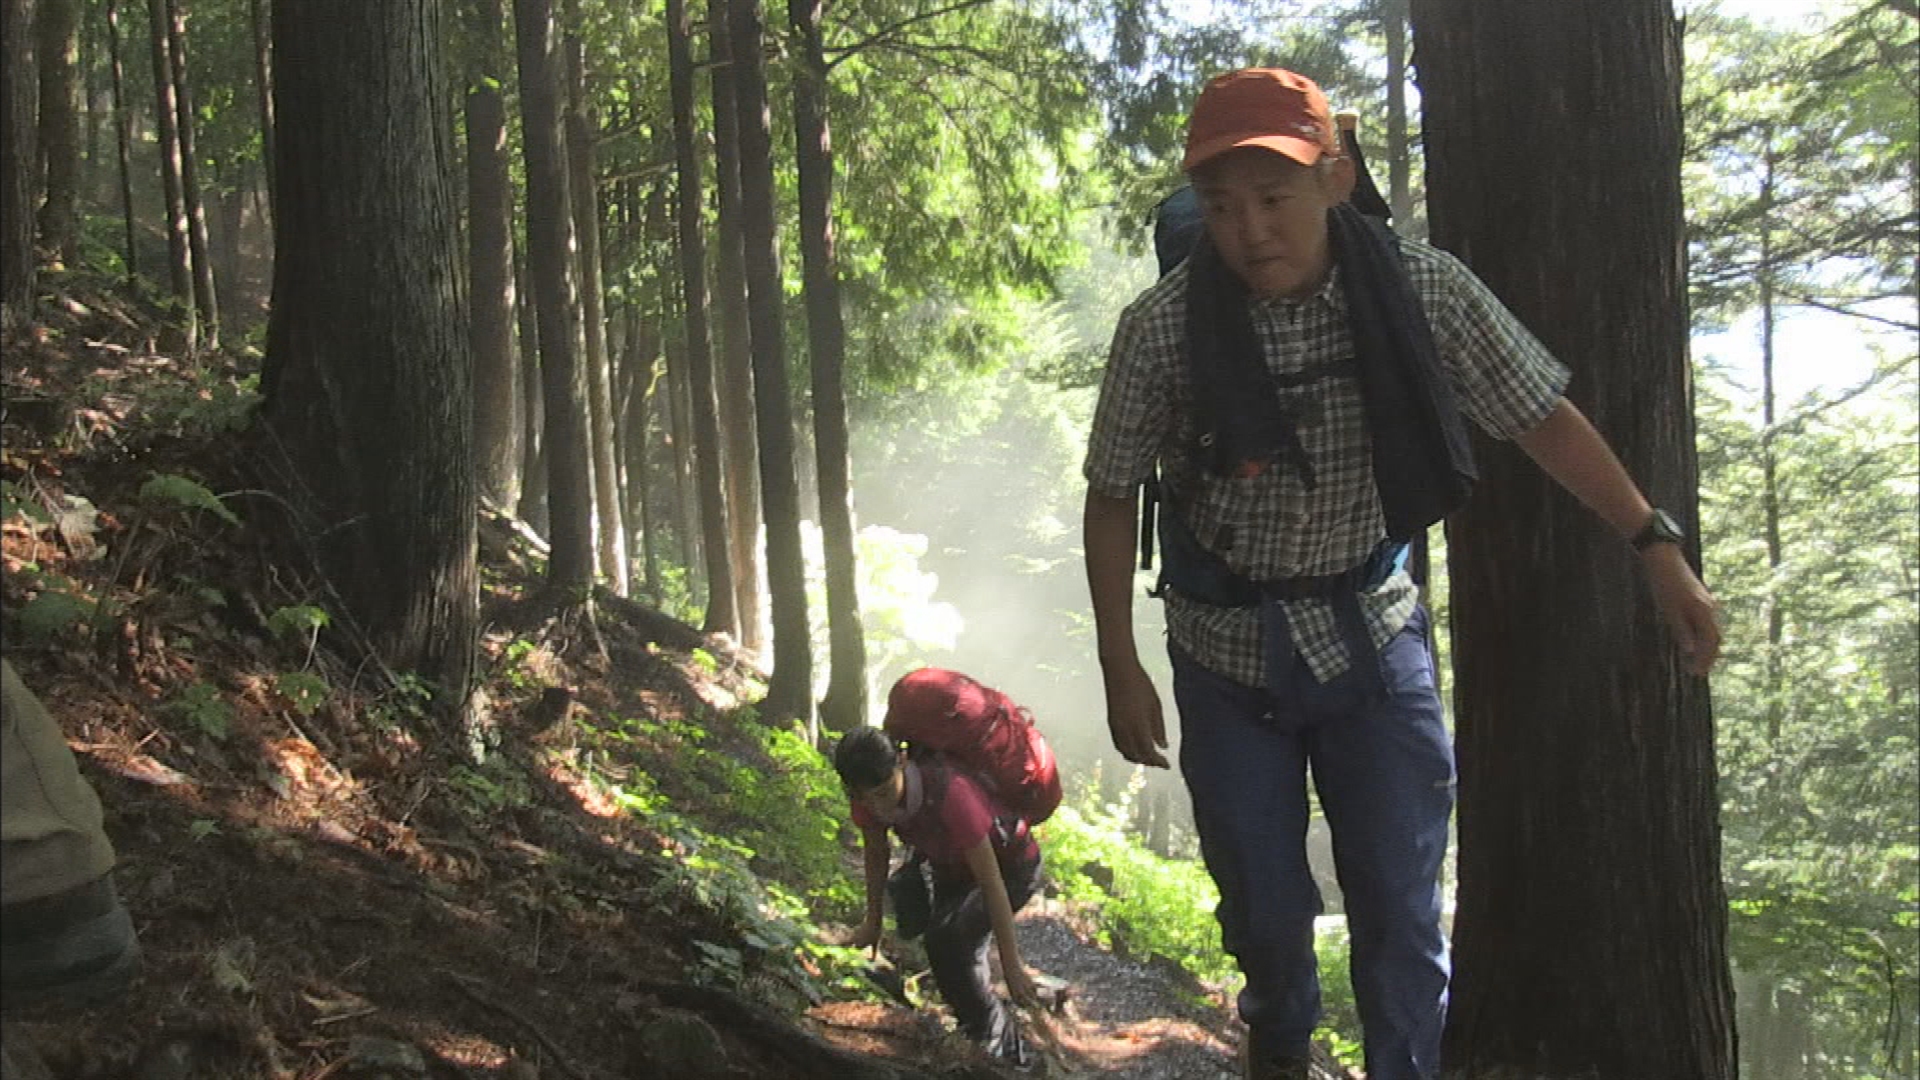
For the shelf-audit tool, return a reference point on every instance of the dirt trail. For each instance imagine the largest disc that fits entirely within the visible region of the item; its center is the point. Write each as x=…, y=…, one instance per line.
x=1124, y=1019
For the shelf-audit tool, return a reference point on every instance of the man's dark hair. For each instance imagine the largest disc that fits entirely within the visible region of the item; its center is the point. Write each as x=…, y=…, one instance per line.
x=864, y=758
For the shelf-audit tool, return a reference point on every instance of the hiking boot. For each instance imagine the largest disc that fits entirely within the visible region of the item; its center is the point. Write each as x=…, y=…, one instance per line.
x=1010, y=1048
x=1281, y=1068
x=1257, y=1063
x=72, y=948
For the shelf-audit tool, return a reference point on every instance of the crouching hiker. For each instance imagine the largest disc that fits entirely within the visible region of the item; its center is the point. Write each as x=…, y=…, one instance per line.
x=984, y=864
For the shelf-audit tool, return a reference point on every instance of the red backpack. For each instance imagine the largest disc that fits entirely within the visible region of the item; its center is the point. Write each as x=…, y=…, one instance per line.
x=982, y=731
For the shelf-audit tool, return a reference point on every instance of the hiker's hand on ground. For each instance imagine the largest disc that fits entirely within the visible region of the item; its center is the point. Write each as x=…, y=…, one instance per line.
x=867, y=936
x=1133, y=716
x=1020, y=986
x=1690, y=610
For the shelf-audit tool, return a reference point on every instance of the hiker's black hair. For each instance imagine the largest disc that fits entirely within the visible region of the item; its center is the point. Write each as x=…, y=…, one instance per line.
x=865, y=757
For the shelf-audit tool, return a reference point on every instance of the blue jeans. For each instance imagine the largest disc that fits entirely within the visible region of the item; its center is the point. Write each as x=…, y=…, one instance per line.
x=1383, y=765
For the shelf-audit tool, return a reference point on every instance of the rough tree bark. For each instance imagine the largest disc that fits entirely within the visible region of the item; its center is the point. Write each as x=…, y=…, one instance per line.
x=1591, y=928
x=845, y=705
x=17, y=163
x=584, y=199
x=680, y=439
x=123, y=139
x=192, y=198
x=497, y=422
x=741, y=453
x=366, y=381
x=1393, y=16
x=263, y=85
x=549, y=261
x=57, y=50
x=721, y=611
x=167, y=124
x=790, y=686
x=533, y=461
x=643, y=352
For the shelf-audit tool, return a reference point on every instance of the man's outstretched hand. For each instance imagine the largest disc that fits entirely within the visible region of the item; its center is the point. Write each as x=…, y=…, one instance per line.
x=1690, y=610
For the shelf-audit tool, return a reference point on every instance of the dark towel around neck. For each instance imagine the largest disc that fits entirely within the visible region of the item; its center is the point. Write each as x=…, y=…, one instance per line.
x=1422, y=461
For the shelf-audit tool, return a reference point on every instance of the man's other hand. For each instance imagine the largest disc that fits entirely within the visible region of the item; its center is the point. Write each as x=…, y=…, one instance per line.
x=1134, y=718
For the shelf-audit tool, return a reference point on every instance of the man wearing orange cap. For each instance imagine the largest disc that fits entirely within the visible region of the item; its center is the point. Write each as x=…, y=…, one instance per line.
x=1300, y=383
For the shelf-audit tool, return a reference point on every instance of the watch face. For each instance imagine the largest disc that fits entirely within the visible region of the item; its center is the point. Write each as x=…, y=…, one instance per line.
x=1661, y=529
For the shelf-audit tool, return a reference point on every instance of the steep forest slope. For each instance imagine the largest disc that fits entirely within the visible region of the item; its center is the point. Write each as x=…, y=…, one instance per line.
x=618, y=873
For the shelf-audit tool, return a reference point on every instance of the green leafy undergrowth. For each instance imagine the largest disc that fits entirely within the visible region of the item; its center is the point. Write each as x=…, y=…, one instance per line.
x=1142, y=902
x=749, y=833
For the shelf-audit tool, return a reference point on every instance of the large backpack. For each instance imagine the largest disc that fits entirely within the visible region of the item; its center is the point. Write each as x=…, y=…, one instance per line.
x=943, y=713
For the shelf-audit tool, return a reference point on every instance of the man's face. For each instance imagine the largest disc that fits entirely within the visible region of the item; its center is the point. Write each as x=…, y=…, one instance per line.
x=1267, y=215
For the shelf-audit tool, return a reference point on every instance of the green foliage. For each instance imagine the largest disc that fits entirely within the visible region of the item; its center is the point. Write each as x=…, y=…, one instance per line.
x=297, y=621
x=170, y=490
x=752, y=844
x=404, y=705
x=903, y=624
x=202, y=706
x=1801, y=160
x=1340, y=1019
x=1815, y=702
x=51, y=613
x=678, y=593
x=303, y=689
x=1158, y=906
x=490, y=787
x=513, y=663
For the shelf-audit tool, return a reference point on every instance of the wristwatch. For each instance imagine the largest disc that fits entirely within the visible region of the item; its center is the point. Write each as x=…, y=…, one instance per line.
x=1659, y=529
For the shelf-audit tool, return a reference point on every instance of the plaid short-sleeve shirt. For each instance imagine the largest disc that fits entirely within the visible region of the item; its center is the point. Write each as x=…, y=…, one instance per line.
x=1270, y=525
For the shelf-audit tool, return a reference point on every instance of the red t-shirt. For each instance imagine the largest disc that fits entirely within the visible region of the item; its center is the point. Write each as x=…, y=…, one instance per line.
x=952, y=822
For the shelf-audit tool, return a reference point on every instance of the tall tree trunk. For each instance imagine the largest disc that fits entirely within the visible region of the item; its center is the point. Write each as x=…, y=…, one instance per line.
x=366, y=381
x=620, y=347
x=123, y=139
x=790, y=687
x=533, y=459
x=93, y=97
x=721, y=612
x=230, y=205
x=167, y=123
x=584, y=198
x=845, y=706
x=192, y=197
x=18, y=163
x=57, y=28
x=1770, y=461
x=647, y=376
x=1399, y=155
x=740, y=455
x=497, y=425
x=680, y=440
x=263, y=85
x=1589, y=866
x=549, y=260
x=631, y=370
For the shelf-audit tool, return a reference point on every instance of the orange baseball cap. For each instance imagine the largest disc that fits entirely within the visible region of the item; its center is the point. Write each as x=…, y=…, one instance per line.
x=1265, y=107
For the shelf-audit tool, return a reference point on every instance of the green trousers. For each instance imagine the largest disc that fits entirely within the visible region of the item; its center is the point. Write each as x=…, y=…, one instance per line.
x=50, y=834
